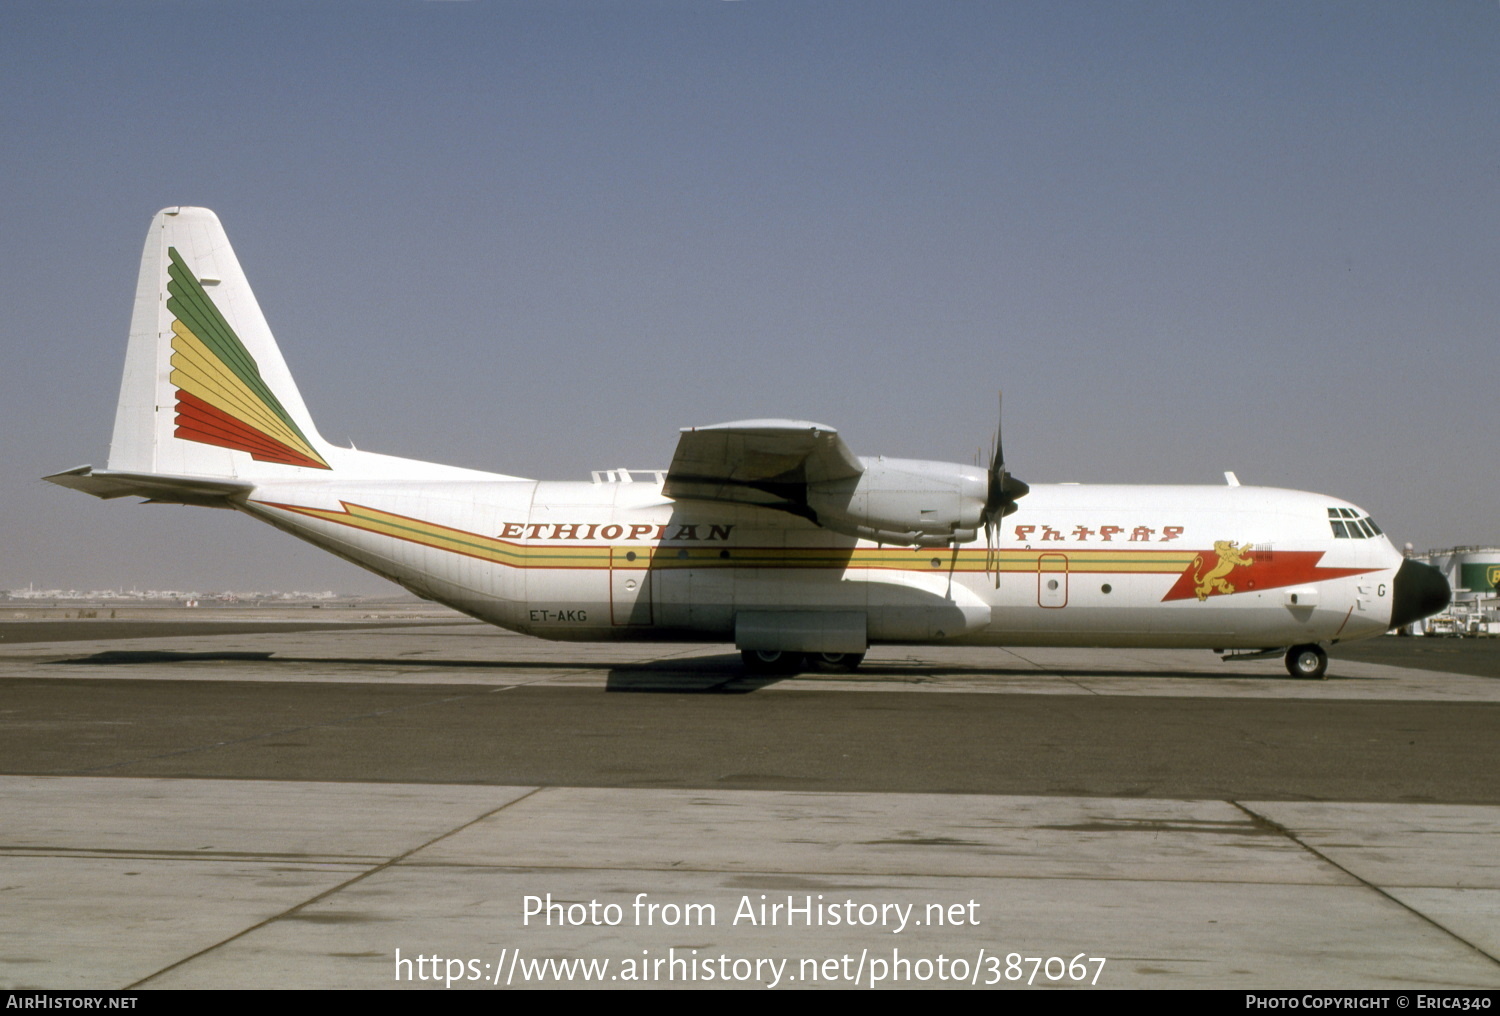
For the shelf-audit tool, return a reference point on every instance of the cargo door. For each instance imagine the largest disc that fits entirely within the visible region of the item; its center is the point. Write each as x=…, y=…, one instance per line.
x=629, y=587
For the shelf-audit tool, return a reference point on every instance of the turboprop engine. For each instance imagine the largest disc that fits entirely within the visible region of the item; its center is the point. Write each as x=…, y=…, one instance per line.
x=806, y=469
x=904, y=501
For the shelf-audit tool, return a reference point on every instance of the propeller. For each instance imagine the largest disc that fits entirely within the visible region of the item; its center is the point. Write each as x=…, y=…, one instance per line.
x=1000, y=498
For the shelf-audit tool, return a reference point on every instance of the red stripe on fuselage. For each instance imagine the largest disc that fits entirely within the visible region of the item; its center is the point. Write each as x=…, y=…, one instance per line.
x=1274, y=570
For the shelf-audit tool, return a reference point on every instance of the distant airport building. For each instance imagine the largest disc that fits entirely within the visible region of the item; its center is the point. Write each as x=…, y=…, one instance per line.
x=1474, y=575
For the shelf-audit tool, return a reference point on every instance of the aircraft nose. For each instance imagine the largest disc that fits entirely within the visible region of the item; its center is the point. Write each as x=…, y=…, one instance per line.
x=1419, y=591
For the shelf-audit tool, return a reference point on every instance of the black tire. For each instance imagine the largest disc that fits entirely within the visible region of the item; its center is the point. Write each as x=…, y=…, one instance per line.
x=835, y=663
x=1309, y=662
x=771, y=661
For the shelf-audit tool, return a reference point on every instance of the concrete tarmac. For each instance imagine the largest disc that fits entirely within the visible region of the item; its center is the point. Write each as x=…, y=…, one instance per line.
x=426, y=806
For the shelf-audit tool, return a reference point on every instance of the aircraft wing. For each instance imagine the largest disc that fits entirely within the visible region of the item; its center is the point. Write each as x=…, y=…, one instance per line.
x=769, y=463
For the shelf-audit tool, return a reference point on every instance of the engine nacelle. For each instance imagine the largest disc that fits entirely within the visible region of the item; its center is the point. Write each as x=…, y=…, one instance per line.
x=904, y=501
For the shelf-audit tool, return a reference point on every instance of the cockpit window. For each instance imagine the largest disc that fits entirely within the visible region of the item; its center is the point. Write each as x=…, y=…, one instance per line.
x=1348, y=525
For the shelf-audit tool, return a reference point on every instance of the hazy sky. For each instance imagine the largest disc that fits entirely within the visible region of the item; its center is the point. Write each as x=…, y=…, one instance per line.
x=539, y=237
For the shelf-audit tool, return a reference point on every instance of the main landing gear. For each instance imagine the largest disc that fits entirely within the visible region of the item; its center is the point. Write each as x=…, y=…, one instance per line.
x=773, y=661
x=835, y=663
x=1309, y=661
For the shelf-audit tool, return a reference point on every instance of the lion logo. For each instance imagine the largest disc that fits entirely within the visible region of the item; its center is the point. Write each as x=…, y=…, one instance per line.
x=1213, y=581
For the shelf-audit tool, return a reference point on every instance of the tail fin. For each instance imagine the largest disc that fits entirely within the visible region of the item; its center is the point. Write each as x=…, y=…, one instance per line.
x=206, y=392
x=208, y=410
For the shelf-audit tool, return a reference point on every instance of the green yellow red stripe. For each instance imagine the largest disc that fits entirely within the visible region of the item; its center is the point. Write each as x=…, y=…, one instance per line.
x=222, y=398
x=659, y=556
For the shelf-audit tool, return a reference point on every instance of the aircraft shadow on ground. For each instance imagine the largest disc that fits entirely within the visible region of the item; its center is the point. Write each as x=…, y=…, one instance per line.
x=722, y=674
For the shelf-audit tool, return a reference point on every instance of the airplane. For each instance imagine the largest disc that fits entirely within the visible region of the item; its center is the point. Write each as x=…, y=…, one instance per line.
x=770, y=534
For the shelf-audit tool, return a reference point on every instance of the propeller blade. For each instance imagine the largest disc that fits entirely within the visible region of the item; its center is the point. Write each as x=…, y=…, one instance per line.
x=1004, y=489
x=1001, y=494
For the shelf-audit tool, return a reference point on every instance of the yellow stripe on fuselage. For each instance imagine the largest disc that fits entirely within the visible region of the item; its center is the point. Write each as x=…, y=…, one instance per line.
x=659, y=557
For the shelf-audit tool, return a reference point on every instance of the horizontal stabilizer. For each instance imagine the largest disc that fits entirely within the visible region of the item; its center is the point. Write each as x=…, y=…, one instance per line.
x=110, y=483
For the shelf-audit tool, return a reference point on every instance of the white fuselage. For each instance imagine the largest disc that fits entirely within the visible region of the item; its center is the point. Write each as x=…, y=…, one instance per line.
x=1210, y=567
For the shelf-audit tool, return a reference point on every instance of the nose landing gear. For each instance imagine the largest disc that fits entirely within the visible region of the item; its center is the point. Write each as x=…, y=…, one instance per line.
x=1309, y=661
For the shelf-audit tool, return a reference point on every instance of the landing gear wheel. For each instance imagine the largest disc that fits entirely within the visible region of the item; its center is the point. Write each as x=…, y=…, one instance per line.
x=1309, y=662
x=771, y=661
x=835, y=663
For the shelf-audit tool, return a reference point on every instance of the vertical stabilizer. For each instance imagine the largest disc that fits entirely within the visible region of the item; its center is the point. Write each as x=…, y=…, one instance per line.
x=206, y=392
